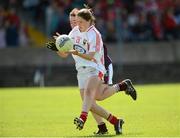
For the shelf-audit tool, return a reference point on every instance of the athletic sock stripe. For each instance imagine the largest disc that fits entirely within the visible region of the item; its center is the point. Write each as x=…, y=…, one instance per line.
x=112, y=119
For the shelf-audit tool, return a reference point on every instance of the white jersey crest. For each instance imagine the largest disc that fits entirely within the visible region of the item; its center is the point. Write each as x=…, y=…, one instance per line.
x=85, y=42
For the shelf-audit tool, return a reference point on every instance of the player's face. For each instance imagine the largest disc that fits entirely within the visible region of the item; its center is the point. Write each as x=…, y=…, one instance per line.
x=72, y=19
x=83, y=24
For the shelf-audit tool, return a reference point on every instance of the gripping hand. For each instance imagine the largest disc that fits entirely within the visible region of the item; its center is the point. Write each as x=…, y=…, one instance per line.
x=52, y=46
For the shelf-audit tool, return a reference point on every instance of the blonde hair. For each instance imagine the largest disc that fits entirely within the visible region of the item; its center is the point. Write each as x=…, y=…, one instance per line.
x=74, y=12
x=87, y=15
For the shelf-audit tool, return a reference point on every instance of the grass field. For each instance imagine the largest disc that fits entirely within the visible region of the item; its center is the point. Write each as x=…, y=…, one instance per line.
x=40, y=112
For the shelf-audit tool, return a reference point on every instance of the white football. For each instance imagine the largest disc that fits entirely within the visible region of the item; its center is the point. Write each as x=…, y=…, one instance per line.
x=64, y=43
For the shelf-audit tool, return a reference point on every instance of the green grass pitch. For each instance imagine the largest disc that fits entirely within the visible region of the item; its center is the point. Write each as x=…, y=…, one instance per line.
x=49, y=112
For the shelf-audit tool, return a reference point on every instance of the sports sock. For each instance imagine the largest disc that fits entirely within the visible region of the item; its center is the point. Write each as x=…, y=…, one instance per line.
x=112, y=119
x=83, y=116
x=122, y=86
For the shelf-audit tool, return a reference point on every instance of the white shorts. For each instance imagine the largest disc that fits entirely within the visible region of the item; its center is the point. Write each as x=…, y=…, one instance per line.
x=110, y=69
x=84, y=73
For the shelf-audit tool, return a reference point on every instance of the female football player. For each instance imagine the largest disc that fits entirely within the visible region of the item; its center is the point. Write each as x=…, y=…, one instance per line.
x=89, y=62
x=102, y=129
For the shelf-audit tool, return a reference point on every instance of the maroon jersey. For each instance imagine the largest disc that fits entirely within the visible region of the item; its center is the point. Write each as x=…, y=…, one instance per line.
x=107, y=62
x=107, y=59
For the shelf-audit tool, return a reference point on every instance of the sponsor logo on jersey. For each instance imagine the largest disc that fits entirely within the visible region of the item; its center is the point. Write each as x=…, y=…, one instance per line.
x=84, y=42
x=79, y=48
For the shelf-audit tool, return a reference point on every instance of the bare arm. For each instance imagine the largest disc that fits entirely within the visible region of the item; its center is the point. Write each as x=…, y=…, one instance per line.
x=89, y=56
x=62, y=54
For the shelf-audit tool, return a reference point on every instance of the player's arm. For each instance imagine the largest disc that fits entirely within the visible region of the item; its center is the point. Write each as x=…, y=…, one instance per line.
x=94, y=42
x=62, y=54
x=89, y=56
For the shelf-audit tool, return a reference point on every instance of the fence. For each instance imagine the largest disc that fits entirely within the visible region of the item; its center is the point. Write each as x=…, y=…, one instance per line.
x=141, y=62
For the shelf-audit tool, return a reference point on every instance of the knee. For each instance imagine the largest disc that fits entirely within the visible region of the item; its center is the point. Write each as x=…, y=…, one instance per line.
x=99, y=99
x=93, y=107
x=88, y=92
x=100, y=94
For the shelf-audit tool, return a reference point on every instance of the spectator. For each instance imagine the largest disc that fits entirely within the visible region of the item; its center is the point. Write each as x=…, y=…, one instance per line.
x=110, y=25
x=155, y=23
x=169, y=24
x=12, y=28
x=142, y=29
x=2, y=28
x=117, y=20
x=52, y=18
x=63, y=26
x=151, y=6
x=2, y=36
x=30, y=10
x=23, y=35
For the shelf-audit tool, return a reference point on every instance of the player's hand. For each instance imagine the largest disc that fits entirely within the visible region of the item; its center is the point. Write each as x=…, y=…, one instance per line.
x=52, y=46
x=74, y=52
x=55, y=36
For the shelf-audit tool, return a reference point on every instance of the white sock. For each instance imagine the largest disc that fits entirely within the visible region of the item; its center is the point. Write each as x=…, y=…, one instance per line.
x=117, y=88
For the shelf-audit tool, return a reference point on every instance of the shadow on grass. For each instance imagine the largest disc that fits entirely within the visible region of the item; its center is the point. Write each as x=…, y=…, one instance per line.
x=92, y=136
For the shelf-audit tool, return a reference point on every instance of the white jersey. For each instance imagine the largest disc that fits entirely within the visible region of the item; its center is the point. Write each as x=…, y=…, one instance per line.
x=85, y=42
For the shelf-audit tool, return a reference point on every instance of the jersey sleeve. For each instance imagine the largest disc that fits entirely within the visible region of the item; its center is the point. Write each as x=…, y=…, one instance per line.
x=72, y=32
x=94, y=41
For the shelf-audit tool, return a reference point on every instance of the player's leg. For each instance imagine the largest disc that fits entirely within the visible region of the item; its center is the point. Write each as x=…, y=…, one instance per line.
x=102, y=129
x=89, y=96
x=105, y=114
x=86, y=76
x=106, y=91
x=92, y=84
x=109, y=117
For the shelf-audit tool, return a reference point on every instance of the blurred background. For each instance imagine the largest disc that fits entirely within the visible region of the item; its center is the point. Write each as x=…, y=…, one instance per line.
x=142, y=37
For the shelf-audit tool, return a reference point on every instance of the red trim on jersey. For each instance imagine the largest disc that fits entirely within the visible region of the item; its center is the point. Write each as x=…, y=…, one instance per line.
x=90, y=28
x=100, y=75
x=98, y=40
x=102, y=59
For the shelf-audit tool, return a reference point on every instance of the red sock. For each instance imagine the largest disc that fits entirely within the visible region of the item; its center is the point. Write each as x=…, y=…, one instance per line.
x=83, y=116
x=122, y=86
x=112, y=119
